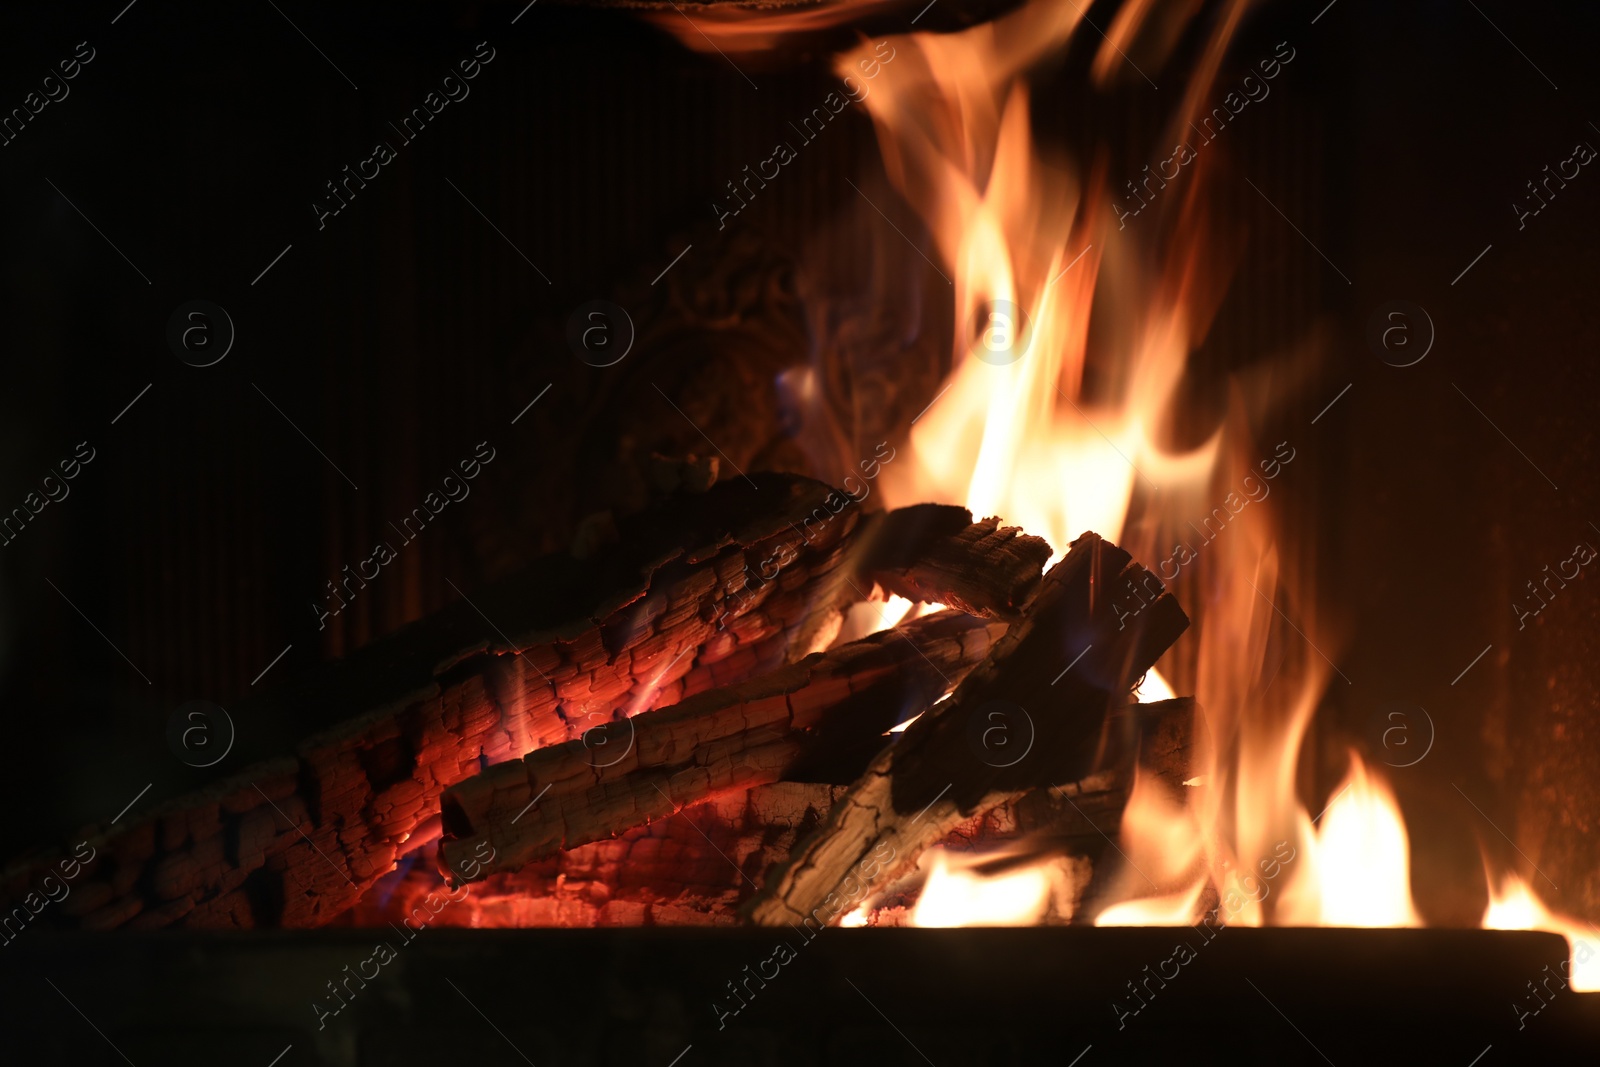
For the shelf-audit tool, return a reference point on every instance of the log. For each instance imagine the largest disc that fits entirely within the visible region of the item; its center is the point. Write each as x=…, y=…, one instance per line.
x=926, y=554
x=537, y=659
x=1078, y=822
x=1075, y=815
x=692, y=868
x=831, y=710
x=705, y=590
x=696, y=866
x=1079, y=818
x=1100, y=621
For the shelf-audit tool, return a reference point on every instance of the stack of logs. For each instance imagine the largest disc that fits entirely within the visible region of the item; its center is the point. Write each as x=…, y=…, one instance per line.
x=662, y=734
x=1034, y=735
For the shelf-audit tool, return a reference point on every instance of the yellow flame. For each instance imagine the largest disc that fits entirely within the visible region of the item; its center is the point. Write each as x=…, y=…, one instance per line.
x=859, y=917
x=1164, y=876
x=870, y=616
x=1356, y=871
x=1016, y=433
x=957, y=895
x=1155, y=688
x=1514, y=906
x=1013, y=433
x=1173, y=909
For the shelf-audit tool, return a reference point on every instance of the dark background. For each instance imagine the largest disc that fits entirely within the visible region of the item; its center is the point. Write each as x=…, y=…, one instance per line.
x=408, y=330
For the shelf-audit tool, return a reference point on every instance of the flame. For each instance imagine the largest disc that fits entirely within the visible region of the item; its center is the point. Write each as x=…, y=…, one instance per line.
x=1029, y=246
x=1163, y=879
x=1013, y=433
x=896, y=609
x=1357, y=868
x=1016, y=432
x=1027, y=429
x=1176, y=909
x=861, y=916
x=1514, y=906
x=1154, y=688
x=872, y=615
x=957, y=895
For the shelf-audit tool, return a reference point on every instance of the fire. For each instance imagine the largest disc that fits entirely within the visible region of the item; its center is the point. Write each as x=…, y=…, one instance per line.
x=870, y=616
x=1357, y=870
x=1017, y=432
x=1154, y=688
x=1164, y=877
x=1014, y=433
x=1177, y=909
x=957, y=895
x=1513, y=906
x=1035, y=427
x=1028, y=245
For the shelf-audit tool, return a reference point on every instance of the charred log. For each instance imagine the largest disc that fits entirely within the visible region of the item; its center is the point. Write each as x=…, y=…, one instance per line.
x=830, y=710
x=704, y=591
x=698, y=864
x=1099, y=622
x=930, y=554
x=692, y=868
x=668, y=612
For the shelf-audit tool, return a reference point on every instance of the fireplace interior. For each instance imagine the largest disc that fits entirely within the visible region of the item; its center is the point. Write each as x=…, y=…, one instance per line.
x=843, y=532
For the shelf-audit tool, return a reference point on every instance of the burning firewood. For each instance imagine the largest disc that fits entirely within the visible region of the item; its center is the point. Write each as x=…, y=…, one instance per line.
x=1032, y=714
x=831, y=708
x=690, y=869
x=696, y=865
x=705, y=591
x=1158, y=736
x=1079, y=820
x=928, y=553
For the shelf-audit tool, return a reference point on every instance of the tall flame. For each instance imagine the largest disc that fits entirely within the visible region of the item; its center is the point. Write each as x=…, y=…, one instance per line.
x=1029, y=246
x=1013, y=433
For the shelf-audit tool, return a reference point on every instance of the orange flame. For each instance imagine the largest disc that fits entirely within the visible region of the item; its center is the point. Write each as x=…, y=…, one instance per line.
x=1013, y=433
x=1513, y=906
x=1016, y=433
x=956, y=895
x=1164, y=877
x=1356, y=870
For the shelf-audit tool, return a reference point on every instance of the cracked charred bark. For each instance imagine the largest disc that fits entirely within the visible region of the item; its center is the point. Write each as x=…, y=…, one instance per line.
x=702, y=592
x=1099, y=622
x=830, y=710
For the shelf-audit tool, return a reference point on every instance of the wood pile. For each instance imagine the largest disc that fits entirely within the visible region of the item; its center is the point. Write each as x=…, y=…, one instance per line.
x=700, y=636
